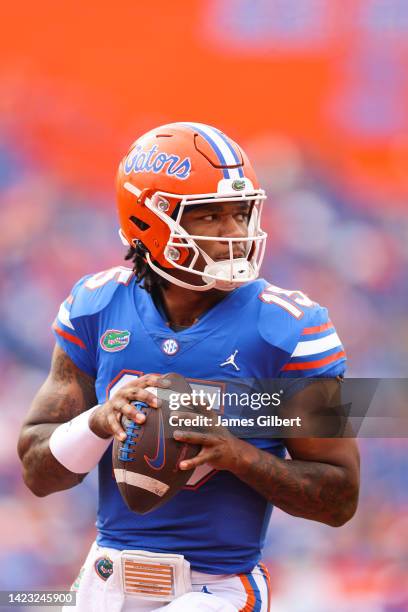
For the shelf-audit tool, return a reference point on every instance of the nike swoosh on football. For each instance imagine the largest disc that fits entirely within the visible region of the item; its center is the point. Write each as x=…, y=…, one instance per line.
x=158, y=461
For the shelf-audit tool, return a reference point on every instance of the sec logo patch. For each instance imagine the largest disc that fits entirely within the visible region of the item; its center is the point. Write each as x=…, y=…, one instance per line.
x=170, y=346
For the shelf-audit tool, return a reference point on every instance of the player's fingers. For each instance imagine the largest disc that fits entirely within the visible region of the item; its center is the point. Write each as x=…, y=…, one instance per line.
x=193, y=438
x=146, y=396
x=157, y=380
x=202, y=457
x=130, y=412
x=148, y=380
x=115, y=427
x=145, y=389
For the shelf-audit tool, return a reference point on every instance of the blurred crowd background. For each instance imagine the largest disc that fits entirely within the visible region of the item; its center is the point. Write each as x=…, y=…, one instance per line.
x=317, y=93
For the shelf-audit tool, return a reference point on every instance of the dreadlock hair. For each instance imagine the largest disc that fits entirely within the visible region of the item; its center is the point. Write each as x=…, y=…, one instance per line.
x=152, y=282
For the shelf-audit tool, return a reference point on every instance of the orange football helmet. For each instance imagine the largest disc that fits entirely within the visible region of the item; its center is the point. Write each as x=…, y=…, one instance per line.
x=179, y=165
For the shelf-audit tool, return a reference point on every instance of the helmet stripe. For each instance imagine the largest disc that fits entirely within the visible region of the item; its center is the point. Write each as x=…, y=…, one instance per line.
x=231, y=148
x=221, y=146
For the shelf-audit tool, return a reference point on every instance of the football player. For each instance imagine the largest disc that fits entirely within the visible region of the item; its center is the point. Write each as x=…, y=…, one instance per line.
x=190, y=212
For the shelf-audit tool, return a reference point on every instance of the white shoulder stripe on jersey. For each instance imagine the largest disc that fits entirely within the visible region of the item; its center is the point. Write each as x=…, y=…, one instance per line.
x=222, y=145
x=312, y=347
x=63, y=316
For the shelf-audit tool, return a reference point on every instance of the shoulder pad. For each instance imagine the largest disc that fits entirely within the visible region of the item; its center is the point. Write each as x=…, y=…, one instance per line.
x=94, y=292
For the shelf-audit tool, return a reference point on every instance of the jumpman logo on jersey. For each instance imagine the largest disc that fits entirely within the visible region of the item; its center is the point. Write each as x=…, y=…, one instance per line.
x=231, y=361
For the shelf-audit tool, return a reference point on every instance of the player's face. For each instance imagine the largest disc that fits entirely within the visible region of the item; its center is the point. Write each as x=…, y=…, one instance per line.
x=228, y=220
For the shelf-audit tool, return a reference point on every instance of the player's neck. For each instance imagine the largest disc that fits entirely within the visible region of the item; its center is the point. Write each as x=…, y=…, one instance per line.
x=183, y=307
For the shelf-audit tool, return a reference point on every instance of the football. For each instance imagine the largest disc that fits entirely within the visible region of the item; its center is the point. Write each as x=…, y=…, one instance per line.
x=146, y=463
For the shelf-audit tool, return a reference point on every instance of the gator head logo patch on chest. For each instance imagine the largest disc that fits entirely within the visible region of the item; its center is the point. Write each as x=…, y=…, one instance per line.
x=114, y=340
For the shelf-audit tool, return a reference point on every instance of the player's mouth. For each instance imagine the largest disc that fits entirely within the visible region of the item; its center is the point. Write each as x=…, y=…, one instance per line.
x=236, y=253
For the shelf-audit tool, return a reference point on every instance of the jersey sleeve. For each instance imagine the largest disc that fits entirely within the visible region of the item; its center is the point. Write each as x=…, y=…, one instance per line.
x=73, y=333
x=319, y=350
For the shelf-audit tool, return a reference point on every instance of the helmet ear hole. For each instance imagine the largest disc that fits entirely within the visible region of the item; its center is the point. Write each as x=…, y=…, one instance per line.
x=142, y=225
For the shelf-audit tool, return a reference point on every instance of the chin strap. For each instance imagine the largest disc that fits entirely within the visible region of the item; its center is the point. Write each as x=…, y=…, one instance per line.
x=238, y=268
x=212, y=267
x=176, y=281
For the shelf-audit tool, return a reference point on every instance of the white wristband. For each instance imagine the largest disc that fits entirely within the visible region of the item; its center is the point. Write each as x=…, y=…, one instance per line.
x=76, y=446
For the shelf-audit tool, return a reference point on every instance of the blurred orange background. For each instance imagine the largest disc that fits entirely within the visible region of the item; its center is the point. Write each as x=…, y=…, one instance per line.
x=330, y=74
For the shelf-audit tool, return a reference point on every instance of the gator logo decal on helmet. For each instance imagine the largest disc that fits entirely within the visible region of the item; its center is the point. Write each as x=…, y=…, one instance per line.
x=238, y=184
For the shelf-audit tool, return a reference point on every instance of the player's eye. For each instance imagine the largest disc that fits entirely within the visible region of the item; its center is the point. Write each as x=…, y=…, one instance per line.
x=242, y=216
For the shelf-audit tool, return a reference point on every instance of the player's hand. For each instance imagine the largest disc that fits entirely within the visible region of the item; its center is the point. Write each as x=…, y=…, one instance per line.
x=106, y=419
x=220, y=448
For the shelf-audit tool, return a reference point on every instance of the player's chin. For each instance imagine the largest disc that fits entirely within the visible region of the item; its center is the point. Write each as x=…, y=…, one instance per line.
x=187, y=277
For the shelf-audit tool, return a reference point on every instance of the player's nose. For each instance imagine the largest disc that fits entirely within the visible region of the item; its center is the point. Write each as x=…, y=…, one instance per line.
x=231, y=228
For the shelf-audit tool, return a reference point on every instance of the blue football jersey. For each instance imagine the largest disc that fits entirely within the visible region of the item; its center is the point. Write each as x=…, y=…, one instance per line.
x=110, y=327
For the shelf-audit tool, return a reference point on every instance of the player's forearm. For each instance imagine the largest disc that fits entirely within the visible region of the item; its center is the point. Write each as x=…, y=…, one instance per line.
x=67, y=393
x=42, y=473
x=308, y=489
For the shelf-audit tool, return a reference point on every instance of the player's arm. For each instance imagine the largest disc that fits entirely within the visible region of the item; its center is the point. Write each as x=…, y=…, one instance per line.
x=68, y=395
x=320, y=482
